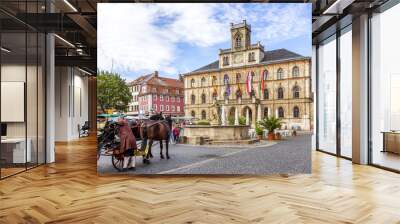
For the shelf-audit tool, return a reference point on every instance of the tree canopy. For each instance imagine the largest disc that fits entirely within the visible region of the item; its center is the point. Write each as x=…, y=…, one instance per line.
x=112, y=92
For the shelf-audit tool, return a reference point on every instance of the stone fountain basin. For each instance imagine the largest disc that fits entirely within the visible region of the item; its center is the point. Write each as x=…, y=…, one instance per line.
x=218, y=132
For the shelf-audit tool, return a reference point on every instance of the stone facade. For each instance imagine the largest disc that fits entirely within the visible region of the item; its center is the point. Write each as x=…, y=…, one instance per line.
x=287, y=86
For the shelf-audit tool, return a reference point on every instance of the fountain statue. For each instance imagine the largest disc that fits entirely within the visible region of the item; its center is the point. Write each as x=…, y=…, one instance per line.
x=216, y=114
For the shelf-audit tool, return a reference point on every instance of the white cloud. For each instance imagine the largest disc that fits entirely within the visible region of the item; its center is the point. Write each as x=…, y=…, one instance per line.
x=194, y=24
x=284, y=23
x=144, y=37
x=127, y=40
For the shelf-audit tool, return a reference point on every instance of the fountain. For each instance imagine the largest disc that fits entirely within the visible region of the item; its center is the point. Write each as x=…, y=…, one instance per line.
x=219, y=132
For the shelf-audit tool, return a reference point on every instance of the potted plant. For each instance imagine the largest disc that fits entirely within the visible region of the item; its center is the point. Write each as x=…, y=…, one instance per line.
x=242, y=120
x=259, y=131
x=271, y=123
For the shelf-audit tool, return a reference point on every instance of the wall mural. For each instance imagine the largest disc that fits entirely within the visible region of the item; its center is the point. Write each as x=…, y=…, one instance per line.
x=224, y=126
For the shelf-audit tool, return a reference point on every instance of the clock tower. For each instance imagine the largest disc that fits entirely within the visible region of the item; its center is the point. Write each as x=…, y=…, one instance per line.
x=240, y=36
x=242, y=52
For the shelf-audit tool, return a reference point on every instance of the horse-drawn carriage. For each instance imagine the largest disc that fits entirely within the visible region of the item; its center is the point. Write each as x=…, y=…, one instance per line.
x=145, y=132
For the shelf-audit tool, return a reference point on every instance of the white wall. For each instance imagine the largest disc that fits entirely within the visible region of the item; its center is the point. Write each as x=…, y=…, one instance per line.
x=71, y=102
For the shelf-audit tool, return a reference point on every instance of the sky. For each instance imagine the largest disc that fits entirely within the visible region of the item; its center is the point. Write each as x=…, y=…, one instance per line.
x=135, y=39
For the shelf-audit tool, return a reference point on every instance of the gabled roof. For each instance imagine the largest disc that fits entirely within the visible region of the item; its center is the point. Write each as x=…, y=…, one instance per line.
x=210, y=66
x=140, y=80
x=279, y=54
x=269, y=56
x=154, y=79
x=162, y=81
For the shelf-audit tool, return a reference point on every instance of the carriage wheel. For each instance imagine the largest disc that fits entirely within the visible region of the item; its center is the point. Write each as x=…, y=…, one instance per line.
x=118, y=162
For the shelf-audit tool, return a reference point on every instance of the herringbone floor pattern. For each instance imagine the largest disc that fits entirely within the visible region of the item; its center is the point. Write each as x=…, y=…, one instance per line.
x=70, y=191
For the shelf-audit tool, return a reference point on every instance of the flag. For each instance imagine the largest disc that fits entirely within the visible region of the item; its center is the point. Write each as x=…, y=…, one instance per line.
x=263, y=75
x=249, y=81
x=226, y=82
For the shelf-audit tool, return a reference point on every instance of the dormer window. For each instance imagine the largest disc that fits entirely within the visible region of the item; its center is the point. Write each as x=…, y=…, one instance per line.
x=225, y=61
x=252, y=56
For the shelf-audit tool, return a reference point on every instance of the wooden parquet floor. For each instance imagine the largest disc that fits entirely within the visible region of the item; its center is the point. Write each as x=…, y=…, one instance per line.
x=70, y=191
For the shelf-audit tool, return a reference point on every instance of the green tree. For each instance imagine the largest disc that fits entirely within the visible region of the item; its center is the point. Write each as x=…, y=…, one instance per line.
x=112, y=92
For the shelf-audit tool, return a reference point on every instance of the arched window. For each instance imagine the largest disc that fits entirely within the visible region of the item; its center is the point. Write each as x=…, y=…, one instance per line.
x=266, y=94
x=203, y=98
x=295, y=71
x=265, y=75
x=193, y=114
x=214, y=81
x=296, y=92
x=280, y=93
x=203, y=82
x=281, y=113
x=193, y=99
x=238, y=77
x=296, y=112
x=266, y=112
x=203, y=115
x=238, y=41
x=279, y=74
x=192, y=83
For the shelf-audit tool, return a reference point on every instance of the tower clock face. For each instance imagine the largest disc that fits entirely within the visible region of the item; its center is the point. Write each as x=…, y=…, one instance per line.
x=238, y=58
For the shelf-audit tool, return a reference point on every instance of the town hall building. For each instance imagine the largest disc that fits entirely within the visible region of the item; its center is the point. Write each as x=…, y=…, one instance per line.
x=247, y=81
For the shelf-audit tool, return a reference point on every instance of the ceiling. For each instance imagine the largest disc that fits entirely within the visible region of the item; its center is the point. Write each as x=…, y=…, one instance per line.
x=330, y=15
x=75, y=23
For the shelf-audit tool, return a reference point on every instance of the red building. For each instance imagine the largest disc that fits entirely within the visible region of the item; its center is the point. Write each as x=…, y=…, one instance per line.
x=154, y=94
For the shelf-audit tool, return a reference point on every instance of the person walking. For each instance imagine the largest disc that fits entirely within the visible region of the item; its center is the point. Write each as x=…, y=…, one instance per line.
x=175, y=132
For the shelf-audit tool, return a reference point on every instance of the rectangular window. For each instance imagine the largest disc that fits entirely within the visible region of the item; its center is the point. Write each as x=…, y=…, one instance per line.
x=327, y=95
x=162, y=107
x=167, y=108
x=161, y=98
x=346, y=93
x=173, y=108
x=385, y=89
x=155, y=97
x=172, y=99
x=178, y=99
x=167, y=98
x=178, y=108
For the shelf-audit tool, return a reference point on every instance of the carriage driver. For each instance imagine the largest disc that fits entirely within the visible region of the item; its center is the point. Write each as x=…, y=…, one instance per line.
x=128, y=144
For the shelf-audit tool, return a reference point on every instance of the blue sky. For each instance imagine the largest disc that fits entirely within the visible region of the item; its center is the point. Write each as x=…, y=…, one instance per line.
x=136, y=39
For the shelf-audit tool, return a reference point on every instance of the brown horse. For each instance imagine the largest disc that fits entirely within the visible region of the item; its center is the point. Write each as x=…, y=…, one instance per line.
x=158, y=130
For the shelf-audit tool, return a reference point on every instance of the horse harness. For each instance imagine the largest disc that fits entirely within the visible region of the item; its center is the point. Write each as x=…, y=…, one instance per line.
x=143, y=124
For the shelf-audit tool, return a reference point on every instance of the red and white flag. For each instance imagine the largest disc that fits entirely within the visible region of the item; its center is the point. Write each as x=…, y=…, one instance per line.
x=249, y=82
